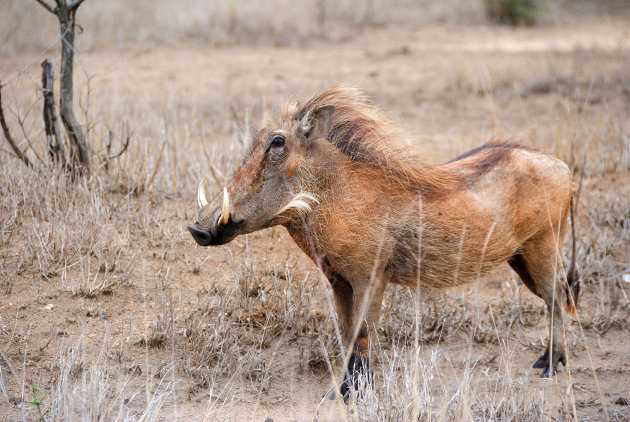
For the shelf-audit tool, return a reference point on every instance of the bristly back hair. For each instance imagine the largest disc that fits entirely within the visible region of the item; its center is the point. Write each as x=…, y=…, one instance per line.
x=361, y=131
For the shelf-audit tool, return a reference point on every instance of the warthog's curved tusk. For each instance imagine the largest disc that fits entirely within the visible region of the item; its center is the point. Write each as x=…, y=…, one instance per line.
x=225, y=212
x=201, y=195
x=300, y=203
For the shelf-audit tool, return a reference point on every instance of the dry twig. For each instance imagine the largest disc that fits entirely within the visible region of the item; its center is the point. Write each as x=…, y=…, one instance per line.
x=9, y=138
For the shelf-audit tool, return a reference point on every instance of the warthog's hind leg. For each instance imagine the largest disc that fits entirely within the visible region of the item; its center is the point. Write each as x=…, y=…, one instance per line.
x=536, y=264
x=549, y=368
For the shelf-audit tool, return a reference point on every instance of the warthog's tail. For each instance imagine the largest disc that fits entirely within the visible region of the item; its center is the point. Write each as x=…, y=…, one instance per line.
x=573, y=278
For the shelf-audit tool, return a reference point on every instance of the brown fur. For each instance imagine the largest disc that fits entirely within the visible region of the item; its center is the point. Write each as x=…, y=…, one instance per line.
x=362, y=133
x=381, y=213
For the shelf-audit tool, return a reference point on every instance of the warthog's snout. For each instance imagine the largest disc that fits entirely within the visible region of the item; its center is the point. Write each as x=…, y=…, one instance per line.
x=218, y=235
x=203, y=238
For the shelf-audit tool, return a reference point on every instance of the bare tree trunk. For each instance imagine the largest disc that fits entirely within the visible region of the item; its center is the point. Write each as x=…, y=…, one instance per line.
x=9, y=138
x=66, y=12
x=66, y=17
x=55, y=145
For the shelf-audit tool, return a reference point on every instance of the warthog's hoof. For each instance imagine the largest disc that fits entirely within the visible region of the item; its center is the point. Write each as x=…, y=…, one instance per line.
x=549, y=370
x=358, y=374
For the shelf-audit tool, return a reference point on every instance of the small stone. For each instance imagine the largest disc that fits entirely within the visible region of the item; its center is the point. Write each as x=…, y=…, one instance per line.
x=49, y=306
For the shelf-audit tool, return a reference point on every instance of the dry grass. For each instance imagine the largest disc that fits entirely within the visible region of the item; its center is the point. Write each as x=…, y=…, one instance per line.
x=277, y=22
x=581, y=123
x=267, y=308
x=145, y=325
x=86, y=389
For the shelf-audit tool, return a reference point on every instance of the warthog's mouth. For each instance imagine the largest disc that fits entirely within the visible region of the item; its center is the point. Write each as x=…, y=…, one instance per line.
x=217, y=236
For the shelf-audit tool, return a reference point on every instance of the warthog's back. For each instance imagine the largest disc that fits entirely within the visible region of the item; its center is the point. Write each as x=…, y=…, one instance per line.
x=503, y=196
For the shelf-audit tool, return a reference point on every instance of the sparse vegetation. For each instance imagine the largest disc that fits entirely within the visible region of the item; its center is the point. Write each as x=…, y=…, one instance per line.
x=37, y=401
x=238, y=22
x=108, y=307
x=513, y=12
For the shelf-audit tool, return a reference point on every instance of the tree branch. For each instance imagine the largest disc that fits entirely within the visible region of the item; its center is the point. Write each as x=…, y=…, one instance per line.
x=75, y=4
x=9, y=138
x=46, y=6
x=122, y=151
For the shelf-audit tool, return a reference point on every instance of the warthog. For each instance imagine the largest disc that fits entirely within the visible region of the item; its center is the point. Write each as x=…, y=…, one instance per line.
x=353, y=196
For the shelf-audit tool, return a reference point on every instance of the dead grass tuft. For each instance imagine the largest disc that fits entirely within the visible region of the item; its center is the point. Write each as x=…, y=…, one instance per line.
x=443, y=316
x=233, y=331
x=85, y=388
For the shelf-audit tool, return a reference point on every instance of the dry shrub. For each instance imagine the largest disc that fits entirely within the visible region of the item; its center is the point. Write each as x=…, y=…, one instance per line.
x=591, y=142
x=513, y=12
x=602, y=246
x=88, y=387
x=158, y=332
x=441, y=316
x=233, y=331
x=110, y=268
x=70, y=230
x=410, y=386
x=10, y=268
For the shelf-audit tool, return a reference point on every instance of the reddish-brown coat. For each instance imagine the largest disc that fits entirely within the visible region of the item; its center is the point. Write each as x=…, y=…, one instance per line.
x=384, y=215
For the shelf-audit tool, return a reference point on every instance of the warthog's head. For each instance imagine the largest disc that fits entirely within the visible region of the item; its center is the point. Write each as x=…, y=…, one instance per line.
x=271, y=185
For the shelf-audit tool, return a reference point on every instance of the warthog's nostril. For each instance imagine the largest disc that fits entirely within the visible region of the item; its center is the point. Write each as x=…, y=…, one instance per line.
x=202, y=237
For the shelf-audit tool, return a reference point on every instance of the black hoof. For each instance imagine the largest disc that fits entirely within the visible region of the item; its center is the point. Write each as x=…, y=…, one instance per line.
x=543, y=361
x=549, y=368
x=548, y=373
x=357, y=373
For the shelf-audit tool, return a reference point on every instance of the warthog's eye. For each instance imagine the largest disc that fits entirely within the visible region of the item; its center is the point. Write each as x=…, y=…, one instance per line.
x=277, y=141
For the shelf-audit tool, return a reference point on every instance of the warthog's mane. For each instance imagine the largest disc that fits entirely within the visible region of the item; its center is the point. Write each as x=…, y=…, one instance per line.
x=361, y=132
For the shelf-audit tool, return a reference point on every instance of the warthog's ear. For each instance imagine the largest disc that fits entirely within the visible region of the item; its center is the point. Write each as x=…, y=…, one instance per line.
x=316, y=123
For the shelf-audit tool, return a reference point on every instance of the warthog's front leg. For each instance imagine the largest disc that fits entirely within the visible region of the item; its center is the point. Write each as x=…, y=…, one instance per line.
x=358, y=372
x=363, y=313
